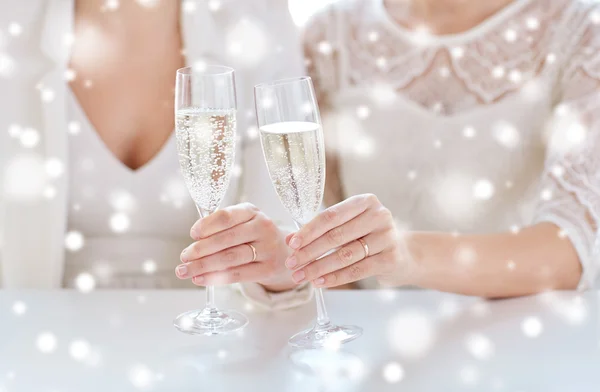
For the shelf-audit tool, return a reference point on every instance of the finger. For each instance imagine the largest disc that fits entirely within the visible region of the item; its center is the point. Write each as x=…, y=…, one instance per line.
x=228, y=258
x=342, y=258
x=222, y=220
x=237, y=235
x=357, y=271
x=330, y=218
x=288, y=238
x=250, y=272
x=358, y=227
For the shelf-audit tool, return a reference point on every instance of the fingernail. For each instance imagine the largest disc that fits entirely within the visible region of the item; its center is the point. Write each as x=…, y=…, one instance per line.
x=291, y=262
x=198, y=279
x=194, y=234
x=298, y=276
x=319, y=281
x=295, y=243
x=181, y=270
x=182, y=257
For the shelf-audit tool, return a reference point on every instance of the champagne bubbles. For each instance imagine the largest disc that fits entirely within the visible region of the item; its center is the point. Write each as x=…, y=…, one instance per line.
x=412, y=333
x=119, y=222
x=74, y=241
x=483, y=190
x=46, y=342
x=79, y=350
x=19, y=308
x=480, y=346
x=393, y=372
x=532, y=327
x=85, y=282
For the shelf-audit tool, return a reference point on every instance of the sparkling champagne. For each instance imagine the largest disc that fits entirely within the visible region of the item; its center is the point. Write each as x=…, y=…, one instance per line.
x=295, y=159
x=206, y=146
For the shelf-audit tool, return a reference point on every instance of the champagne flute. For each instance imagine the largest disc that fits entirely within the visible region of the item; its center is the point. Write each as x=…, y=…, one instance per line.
x=205, y=116
x=293, y=146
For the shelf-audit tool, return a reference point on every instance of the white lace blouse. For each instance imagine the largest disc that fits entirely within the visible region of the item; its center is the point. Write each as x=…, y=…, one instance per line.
x=487, y=130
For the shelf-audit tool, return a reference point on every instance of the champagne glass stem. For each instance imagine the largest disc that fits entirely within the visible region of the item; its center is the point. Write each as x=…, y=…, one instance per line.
x=322, y=316
x=210, y=290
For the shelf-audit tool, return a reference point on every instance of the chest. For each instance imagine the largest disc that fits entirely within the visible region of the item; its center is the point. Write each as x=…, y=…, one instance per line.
x=125, y=88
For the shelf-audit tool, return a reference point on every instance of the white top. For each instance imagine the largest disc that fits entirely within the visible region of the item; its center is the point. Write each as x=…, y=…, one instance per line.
x=412, y=341
x=134, y=223
x=483, y=131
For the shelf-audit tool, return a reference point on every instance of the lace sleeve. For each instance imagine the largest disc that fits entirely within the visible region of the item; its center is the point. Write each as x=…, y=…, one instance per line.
x=571, y=180
x=322, y=51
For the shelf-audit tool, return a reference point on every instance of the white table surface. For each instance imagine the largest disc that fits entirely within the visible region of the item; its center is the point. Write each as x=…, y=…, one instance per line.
x=125, y=342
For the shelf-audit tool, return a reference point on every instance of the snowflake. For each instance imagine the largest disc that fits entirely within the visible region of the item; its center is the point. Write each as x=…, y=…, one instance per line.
x=444, y=72
x=14, y=130
x=558, y=170
x=595, y=17
x=546, y=194
x=532, y=23
x=29, y=137
x=149, y=266
x=25, y=176
x=19, y=308
x=457, y=52
x=412, y=333
x=214, y=5
x=54, y=167
x=363, y=112
x=550, y=58
x=88, y=83
x=148, y=3
x=437, y=144
x=412, y=175
x=393, y=372
x=506, y=134
x=79, y=350
x=46, y=342
x=465, y=255
x=510, y=35
x=122, y=201
x=383, y=94
x=364, y=147
x=469, y=132
x=49, y=192
x=248, y=42
x=74, y=127
x=325, y=48
x=70, y=75
x=515, y=76
x=47, y=95
x=189, y=6
x=141, y=377
x=119, y=222
x=85, y=282
x=483, y=190
x=74, y=241
x=236, y=171
x=111, y=5
x=511, y=265
x=373, y=36
x=498, y=72
x=469, y=375
x=7, y=65
x=422, y=35
x=532, y=327
x=480, y=346
x=15, y=29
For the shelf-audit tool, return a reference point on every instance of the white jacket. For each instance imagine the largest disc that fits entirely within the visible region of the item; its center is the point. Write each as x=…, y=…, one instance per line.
x=34, y=54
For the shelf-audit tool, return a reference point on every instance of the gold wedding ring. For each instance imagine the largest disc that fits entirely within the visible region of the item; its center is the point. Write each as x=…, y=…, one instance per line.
x=365, y=246
x=253, y=252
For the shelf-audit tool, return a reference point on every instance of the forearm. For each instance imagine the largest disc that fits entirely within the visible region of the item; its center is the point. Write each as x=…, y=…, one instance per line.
x=496, y=265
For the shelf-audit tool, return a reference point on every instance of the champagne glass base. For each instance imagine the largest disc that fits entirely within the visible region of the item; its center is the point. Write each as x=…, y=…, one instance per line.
x=210, y=321
x=325, y=336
